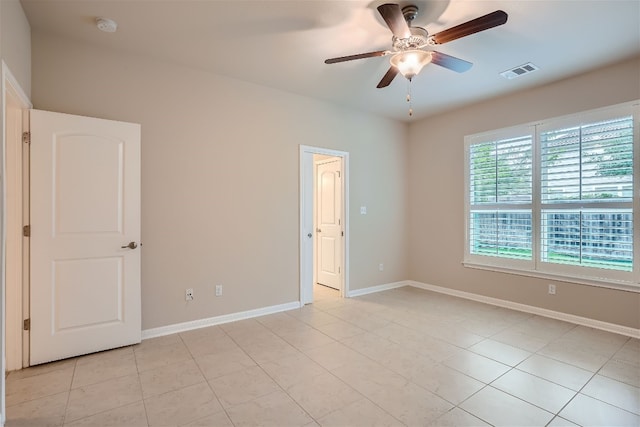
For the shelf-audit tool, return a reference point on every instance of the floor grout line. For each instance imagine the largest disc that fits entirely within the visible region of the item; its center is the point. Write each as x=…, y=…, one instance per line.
x=380, y=316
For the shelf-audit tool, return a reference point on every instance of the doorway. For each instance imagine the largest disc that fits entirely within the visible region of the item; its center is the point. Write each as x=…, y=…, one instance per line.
x=324, y=242
x=327, y=260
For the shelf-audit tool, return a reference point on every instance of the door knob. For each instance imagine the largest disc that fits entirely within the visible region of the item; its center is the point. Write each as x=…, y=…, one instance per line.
x=309, y=235
x=318, y=230
x=131, y=245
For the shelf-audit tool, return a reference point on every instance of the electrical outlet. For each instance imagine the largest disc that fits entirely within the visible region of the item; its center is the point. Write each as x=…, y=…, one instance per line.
x=218, y=290
x=381, y=267
x=552, y=289
x=188, y=294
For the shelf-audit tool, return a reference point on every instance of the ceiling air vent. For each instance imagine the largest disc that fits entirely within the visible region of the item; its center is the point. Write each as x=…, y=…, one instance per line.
x=520, y=70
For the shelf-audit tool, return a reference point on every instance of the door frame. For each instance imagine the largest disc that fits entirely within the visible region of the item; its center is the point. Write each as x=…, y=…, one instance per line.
x=10, y=87
x=307, y=211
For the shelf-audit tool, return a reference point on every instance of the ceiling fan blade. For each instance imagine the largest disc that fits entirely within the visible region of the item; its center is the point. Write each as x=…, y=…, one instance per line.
x=392, y=15
x=482, y=23
x=388, y=78
x=358, y=56
x=450, y=62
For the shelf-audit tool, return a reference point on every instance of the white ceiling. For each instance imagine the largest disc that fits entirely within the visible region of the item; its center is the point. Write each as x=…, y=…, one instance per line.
x=283, y=44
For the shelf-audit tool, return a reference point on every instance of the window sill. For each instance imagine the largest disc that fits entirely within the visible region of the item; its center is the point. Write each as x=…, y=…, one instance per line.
x=589, y=281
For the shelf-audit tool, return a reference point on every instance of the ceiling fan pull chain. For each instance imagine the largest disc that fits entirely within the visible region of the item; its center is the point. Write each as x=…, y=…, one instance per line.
x=409, y=97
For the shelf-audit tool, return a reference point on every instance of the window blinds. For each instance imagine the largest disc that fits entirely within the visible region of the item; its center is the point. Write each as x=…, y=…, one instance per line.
x=587, y=191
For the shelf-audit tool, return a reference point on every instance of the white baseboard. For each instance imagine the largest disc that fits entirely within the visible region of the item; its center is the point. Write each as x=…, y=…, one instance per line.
x=378, y=288
x=584, y=321
x=218, y=320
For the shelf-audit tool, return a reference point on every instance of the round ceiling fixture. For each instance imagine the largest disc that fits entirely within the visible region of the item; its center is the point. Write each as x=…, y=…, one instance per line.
x=107, y=25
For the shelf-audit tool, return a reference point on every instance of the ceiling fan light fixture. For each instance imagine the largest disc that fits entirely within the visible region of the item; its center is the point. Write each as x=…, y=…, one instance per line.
x=411, y=62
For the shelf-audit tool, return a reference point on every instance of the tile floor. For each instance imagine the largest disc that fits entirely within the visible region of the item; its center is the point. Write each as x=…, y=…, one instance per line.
x=400, y=357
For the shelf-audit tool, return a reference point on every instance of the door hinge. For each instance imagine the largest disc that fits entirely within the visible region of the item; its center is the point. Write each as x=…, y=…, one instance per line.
x=26, y=231
x=26, y=324
x=342, y=233
x=26, y=137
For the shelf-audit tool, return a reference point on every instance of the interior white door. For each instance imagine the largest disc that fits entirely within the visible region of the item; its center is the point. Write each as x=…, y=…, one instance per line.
x=329, y=223
x=85, y=212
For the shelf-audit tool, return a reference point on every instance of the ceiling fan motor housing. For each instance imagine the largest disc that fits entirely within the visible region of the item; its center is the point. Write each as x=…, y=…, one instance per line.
x=419, y=39
x=419, y=36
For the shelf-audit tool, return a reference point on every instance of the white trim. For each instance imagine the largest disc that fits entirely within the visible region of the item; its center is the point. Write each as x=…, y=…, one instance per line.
x=306, y=227
x=589, y=281
x=243, y=315
x=7, y=82
x=8, y=77
x=378, y=288
x=579, y=320
x=217, y=320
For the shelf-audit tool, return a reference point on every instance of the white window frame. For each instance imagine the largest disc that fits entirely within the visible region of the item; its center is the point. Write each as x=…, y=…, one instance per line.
x=502, y=134
x=536, y=268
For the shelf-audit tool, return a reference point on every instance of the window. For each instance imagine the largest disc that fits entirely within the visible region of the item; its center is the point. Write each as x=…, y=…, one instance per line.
x=500, y=197
x=556, y=198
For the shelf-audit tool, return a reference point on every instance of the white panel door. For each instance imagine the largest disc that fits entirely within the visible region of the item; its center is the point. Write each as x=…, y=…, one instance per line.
x=85, y=211
x=329, y=223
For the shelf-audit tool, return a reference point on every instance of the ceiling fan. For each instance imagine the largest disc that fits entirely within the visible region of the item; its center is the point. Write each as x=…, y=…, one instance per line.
x=411, y=47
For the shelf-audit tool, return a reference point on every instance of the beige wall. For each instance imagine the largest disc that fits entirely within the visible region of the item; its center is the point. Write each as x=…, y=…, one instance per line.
x=220, y=177
x=220, y=181
x=15, y=42
x=436, y=194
